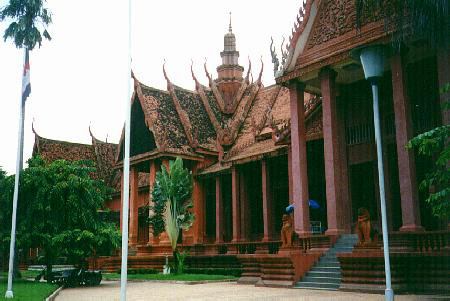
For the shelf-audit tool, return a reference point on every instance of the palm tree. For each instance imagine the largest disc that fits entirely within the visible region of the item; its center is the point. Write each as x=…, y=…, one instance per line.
x=172, y=204
x=409, y=20
x=30, y=19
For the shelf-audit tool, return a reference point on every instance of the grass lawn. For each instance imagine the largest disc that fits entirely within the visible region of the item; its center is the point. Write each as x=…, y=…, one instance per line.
x=181, y=277
x=25, y=274
x=27, y=290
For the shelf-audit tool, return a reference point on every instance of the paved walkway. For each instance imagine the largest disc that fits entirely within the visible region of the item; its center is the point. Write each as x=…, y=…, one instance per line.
x=109, y=290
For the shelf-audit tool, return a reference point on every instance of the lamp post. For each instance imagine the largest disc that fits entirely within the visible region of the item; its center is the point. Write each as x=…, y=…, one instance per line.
x=372, y=60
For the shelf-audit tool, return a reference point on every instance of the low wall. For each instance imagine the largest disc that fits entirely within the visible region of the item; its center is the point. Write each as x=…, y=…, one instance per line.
x=410, y=272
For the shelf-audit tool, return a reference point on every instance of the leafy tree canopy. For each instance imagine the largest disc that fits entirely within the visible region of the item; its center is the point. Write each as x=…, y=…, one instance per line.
x=436, y=144
x=58, y=210
x=30, y=19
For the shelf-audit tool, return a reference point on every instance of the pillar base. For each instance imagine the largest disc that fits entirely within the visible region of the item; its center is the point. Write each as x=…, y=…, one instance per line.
x=411, y=228
x=335, y=232
x=302, y=234
x=267, y=238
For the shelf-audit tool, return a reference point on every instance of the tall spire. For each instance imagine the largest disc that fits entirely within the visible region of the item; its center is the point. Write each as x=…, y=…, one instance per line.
x=229, y=28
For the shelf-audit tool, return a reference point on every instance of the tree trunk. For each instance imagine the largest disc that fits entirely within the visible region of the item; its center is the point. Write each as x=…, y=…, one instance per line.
x=175, y=260
x=49, y=270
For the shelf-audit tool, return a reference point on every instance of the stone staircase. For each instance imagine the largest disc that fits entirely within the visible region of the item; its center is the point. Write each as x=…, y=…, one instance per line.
x=326, y=273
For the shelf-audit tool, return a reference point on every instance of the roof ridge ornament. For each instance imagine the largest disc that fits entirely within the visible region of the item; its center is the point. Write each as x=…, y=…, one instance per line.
x=169, y=83
x=32, y=127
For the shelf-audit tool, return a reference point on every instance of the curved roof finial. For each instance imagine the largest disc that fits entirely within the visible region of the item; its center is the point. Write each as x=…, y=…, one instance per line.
x=193, y=75
x=32, y=127
x=262, y=68
x=206, y=70
x=229, y=28
x=90, y=132
x=169, y=84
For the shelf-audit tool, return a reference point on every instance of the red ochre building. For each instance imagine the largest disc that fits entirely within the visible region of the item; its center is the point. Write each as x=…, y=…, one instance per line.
x=253, y=150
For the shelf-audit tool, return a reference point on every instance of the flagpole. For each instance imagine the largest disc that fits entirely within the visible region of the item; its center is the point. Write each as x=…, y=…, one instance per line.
x=19, y=159
x=126, y=172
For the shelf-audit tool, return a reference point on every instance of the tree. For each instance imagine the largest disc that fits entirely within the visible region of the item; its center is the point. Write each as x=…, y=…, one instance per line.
x=409, y=20
x=30, y=21
x=4, y=218
x=171, y=195
x=58, y=211
x=435, y=144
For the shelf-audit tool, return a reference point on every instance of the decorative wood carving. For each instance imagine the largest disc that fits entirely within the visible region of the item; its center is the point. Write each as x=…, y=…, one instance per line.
x=335, y=18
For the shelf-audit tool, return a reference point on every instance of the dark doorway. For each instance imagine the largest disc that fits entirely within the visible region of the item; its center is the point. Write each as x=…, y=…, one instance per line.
x=228, y=212
x=316, y=181
x=279, y=181
x=253, y=183
x=210, y=209
x=363, y=189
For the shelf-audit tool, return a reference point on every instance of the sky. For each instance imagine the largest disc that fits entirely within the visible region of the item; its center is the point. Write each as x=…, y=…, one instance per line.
x=80, y=77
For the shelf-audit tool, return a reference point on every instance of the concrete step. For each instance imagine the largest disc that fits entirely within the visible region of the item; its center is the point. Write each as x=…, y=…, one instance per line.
x=317, y=285
x=326, y=269
x=327, y=264
x=316, y=288
x=323, y=274
x=329, y=259
x=321, y=279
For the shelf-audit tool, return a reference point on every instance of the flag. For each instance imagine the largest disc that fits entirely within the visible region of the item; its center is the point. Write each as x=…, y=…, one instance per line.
x=26, y=85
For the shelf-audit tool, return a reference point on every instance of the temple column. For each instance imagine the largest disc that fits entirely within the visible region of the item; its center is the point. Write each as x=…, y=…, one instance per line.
x=235, y=204
x=199, y=210
x=290, y=175
x=443, y=65
x=267, y=202
x=134, y=194
x=299, y=164
x=245, y=208
x=335, y=157
x=406, y=161
x=219, y=212
x=152, y=179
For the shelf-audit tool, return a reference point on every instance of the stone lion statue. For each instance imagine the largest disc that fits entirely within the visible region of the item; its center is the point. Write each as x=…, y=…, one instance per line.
x=287, y=231
x=366, y=235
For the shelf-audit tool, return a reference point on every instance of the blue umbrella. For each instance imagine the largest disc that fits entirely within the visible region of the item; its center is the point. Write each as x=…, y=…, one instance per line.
x=314, y=204
x=289, y=209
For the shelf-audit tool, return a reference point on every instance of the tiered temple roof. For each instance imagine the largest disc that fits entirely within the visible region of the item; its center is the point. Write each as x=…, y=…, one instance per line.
x=100, y=152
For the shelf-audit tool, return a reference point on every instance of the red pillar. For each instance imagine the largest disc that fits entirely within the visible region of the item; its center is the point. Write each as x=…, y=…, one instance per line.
x=406, y=162
x=299, y=164
x=199, y=210
x=152, y=178
x=267, y=202
x=235, y=204
x=443, y=58
x=134, y=186
x=245, y=208
x=291, y=200
x=335, y=157
x=219, y=212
